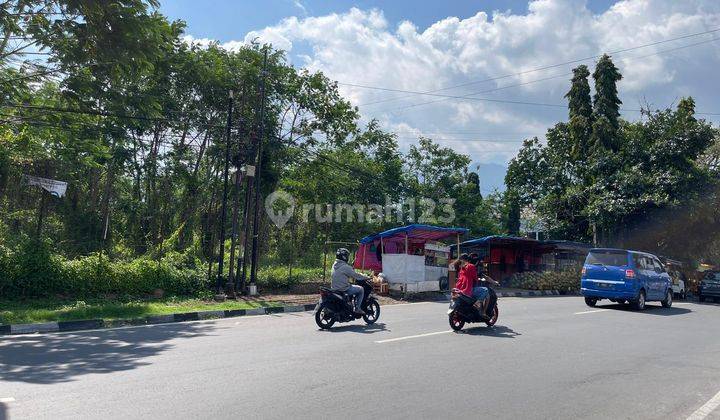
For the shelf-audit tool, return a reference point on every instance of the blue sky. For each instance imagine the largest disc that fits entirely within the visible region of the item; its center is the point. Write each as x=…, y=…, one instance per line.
x=454, y=48
x=226, y=20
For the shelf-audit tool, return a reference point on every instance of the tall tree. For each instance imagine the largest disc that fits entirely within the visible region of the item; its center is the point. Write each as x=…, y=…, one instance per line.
x=606, y=104
x=580, y=112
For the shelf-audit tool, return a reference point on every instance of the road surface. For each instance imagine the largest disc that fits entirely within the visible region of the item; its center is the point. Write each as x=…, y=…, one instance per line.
x=547, y=358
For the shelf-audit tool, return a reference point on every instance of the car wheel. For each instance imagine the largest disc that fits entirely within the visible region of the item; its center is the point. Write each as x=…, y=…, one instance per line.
x=667, y=302
x=591, y=301
x=639, y=303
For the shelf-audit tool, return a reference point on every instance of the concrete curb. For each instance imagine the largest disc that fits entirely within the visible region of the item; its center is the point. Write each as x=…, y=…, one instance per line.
x=94, y=324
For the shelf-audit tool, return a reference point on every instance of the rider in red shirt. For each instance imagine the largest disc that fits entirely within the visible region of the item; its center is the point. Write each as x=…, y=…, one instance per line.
x=467, y=274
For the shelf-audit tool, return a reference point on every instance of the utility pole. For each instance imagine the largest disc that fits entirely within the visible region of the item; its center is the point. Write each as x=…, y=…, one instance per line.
x=224, y=199
x=41, y=214
x=256, y=218
x=230, y=284
x=243, y=259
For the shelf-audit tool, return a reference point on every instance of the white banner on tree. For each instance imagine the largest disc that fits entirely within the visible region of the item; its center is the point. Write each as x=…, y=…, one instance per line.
x=56, y=188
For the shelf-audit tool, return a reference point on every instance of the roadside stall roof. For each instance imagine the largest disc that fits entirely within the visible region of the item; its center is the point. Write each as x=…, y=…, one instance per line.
x=497, y=240
x=568, y=245
x=416, y=231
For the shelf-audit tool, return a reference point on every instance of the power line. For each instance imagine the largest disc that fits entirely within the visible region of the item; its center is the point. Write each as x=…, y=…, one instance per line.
x=537, y=68
x=79, y=126
x=503, y=101
x=102, y=114
x=549, y=78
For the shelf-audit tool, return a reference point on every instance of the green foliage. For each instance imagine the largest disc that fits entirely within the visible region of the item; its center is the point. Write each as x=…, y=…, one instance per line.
x=607, y=189
x=606, y=104
x=562, y=281
x=32, y=271
x=133, y=119
x=278, y=277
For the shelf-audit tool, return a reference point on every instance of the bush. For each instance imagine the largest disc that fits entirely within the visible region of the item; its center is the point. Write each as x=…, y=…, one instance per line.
x=33, y=272
x=277, y=277
x=563, y=281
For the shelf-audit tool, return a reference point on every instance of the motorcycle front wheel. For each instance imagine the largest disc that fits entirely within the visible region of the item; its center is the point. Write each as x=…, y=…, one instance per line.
x=324, y=318
x=456, y=323
x=372, y=312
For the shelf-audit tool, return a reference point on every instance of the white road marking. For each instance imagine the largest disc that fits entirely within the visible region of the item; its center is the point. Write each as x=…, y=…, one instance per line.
x=390, y=340
x=591, y=312
x=706, y=409
x=682, y=303
x=7, y=400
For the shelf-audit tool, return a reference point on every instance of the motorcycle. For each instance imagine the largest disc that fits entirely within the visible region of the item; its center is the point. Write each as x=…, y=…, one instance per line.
x=463, y=309
x=338, y=307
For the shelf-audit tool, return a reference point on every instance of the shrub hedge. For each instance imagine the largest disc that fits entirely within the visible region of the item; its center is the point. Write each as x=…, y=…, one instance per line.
x=563, y=281
x=33, y=271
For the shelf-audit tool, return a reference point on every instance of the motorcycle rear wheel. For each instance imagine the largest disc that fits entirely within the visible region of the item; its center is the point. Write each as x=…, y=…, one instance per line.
x=456, y=323
x=323, y=318
x=494, y=318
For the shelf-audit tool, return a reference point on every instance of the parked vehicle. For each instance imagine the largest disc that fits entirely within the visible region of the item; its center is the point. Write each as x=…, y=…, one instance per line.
x=709, y=286
x=625, y=276
x=463, y=310
x=338, y=307
x=679, y=285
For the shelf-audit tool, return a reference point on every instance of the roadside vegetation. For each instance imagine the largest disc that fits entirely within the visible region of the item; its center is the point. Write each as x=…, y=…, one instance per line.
x=566, y=281
x=133, y=118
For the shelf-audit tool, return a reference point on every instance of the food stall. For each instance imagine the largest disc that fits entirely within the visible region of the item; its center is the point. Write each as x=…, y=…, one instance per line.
x=504, y=256
x=412, y=258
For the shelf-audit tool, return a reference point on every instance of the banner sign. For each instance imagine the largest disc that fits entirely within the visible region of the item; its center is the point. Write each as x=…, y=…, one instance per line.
x=56, y=188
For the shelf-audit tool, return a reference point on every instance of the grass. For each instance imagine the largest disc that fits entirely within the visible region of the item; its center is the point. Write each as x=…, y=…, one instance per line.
x=27, y=312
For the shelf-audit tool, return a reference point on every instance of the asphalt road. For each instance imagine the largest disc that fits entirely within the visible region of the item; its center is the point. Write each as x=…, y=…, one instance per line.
x=546, y=358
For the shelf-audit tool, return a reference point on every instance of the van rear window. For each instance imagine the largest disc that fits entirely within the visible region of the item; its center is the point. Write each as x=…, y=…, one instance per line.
x=612, y=258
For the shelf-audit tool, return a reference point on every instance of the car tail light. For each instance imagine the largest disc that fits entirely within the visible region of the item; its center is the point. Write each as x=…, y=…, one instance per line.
x=630, y=274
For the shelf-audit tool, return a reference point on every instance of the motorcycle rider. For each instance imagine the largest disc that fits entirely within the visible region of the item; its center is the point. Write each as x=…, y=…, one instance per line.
x=341, y=273
x=467, y=278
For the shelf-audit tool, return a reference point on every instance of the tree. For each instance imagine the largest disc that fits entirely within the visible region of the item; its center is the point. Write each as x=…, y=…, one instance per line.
x=580, y=113
x=606, y=105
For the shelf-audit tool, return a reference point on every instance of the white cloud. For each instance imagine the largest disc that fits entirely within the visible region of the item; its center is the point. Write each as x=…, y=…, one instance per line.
x=205, y=42
x=361, y=47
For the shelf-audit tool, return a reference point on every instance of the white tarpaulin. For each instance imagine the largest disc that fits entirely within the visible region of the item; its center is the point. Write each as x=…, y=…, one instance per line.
x=56, y=188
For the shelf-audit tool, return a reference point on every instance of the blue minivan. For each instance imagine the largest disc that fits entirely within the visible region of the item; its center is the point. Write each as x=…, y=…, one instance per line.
x=624, y=276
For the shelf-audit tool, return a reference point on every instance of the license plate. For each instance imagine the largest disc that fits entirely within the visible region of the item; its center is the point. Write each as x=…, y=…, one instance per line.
x=605, y=285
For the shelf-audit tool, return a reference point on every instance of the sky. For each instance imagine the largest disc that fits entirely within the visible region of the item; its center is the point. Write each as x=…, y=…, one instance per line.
x=497, y=70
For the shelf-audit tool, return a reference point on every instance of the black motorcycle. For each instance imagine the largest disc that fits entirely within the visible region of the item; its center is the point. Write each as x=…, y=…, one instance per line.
x=465, y=309
x=338, y=307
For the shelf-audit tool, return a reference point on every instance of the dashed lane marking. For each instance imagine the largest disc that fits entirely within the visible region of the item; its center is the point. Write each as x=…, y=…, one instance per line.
x=7, y=400
x=707, y=409
x=591, y=312
x=410, y=337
